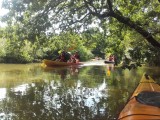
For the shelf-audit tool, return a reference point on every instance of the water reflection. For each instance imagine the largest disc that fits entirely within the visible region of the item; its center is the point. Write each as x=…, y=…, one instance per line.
x=64, y=72
x=68, y=93
x=109, y=69
x=76, y=100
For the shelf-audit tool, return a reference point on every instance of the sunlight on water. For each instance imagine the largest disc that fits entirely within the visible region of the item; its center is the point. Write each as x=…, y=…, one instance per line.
x=94, y=63
x=20, y=89
x=87, y=96
x=2, y=93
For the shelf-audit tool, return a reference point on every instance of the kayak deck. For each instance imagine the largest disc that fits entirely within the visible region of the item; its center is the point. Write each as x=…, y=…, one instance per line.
x=146, y=85
x=135, y=110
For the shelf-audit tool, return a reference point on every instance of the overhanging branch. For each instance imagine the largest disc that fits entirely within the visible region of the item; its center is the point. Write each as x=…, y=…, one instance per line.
x=148, y=36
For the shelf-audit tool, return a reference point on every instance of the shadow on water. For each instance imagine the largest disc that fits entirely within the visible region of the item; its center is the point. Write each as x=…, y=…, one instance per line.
x=89, y=92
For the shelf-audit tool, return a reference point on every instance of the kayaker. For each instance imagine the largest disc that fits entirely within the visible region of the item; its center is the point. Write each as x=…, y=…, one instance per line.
x=72, y=59
x=77, y=56
x=63, y=57
x=111, y=58
x=67, y=56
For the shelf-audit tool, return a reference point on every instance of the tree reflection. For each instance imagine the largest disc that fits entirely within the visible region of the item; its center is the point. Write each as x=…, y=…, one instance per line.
x=88, y=95
x=56, y=102
x=63, y=72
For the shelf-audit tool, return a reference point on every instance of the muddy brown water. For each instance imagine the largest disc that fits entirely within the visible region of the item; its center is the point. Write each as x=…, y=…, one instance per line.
x=94, y=91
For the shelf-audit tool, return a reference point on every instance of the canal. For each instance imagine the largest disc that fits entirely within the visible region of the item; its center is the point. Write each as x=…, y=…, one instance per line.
x=93, y=91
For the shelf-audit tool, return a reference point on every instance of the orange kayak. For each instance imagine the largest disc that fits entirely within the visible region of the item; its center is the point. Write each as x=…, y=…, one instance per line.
x=51, y=63
x=144, y=103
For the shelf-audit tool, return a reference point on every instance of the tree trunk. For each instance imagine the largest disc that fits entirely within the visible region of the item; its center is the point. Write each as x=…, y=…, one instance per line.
x=137, y=28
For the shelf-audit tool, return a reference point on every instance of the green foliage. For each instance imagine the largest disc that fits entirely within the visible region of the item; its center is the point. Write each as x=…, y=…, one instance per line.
x=15, y=49
x=95, y=41
x=94, y=28
x=71, y=42
x=14, y=53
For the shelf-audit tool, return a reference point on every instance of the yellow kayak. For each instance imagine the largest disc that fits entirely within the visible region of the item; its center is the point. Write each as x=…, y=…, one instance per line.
x=51, y=63
x=144, y=103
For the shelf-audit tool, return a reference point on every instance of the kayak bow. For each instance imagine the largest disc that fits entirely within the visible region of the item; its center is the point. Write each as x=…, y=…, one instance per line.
x=144, y=103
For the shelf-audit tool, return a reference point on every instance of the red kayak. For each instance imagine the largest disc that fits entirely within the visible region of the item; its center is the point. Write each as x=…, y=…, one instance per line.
x=109, y=62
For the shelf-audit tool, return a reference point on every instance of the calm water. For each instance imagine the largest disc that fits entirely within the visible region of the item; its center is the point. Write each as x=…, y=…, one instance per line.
x=90, y=92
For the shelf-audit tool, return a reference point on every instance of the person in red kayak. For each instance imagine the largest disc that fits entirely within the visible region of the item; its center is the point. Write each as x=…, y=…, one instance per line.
x=111, y=58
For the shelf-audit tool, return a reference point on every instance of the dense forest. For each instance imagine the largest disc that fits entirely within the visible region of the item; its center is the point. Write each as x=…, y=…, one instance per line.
x=39, y=29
